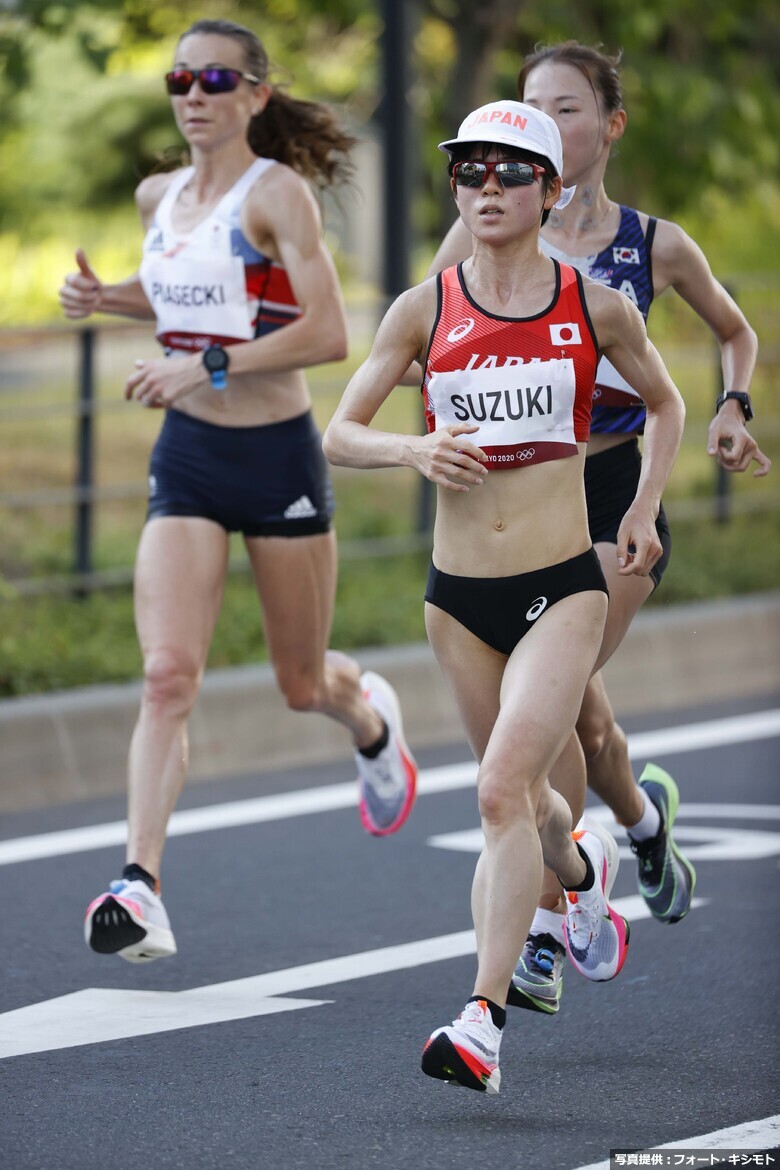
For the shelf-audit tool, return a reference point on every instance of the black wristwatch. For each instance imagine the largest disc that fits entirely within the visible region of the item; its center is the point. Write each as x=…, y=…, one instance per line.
x=743, y=400
x=216, y=361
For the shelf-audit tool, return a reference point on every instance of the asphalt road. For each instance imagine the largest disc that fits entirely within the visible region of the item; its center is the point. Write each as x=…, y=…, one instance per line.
x=284, y=908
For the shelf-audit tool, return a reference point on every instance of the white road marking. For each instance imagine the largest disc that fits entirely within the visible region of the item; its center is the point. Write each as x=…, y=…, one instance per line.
x=751, y=1135
x=719, y=844
x=447, y=778
x=97, y=1014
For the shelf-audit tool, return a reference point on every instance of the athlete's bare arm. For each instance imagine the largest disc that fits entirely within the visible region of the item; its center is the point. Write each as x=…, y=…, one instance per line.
x=623, y=339
x=445, y=457
x=679, y=263
x=84, y=293
x=283, y=220
x=455, y=246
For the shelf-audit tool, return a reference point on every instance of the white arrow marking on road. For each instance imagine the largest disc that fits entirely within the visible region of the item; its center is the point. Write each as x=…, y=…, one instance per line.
x=97, y=1014
x=687, y=738
x=731, y=844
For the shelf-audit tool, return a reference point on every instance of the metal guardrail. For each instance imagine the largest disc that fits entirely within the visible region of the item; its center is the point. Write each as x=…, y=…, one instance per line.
x=84, y=496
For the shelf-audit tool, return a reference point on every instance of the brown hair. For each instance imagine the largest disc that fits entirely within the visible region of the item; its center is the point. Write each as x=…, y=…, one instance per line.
x=600, y=70
x=304, y=135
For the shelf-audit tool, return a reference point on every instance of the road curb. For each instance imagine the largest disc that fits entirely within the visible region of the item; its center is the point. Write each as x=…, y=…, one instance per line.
x=72, y=745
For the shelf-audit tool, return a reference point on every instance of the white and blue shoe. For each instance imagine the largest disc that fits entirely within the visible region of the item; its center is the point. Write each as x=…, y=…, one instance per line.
x=129, y=920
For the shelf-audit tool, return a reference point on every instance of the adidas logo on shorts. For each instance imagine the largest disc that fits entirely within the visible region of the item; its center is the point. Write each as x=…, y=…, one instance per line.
x=301, y=509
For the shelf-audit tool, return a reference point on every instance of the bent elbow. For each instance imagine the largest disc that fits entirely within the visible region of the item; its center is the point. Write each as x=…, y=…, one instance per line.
x=331, y=345
x=339, y=350
x=329, y=446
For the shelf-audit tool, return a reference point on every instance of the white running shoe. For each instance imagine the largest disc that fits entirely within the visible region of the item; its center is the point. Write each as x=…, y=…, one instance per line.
x=130, y=921
x=466, y=1051
x=388, y=783
x=596, y=935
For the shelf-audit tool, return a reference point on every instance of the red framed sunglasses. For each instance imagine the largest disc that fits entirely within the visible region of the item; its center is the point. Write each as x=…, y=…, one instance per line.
x=509, y=172
x=217, y=80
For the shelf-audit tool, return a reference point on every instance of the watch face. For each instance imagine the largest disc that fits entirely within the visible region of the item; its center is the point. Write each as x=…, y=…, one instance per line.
x=215, y=359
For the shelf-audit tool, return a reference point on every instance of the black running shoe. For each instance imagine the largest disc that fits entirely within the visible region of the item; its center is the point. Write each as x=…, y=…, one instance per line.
x=666, y=878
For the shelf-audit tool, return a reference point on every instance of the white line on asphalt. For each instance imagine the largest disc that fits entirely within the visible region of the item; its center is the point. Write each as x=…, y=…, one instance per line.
x=751, y=1135
x=732, y=843
x=447, y=778
x=99, y=1014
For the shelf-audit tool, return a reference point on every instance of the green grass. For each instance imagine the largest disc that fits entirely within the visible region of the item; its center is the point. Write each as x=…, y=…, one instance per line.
x=52, y=642
x=48, y=643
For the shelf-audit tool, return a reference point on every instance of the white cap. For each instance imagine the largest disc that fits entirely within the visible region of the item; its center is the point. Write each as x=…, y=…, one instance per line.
x=515, y=124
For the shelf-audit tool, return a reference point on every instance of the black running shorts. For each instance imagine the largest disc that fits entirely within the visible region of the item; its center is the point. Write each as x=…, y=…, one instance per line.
x=262, y=481
x=611, y=480
x=501, y=610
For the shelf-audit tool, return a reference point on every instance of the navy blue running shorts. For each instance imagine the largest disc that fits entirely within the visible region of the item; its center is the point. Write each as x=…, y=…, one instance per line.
x=268, y=480
x=501, y=610
x=611, y=480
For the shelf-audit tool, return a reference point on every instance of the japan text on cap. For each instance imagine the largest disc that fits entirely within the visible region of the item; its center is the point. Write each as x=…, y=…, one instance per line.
x=514, y=124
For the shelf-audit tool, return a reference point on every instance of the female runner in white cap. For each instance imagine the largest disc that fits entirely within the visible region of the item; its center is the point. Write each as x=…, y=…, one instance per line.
x=579, y=88
x=516, y=600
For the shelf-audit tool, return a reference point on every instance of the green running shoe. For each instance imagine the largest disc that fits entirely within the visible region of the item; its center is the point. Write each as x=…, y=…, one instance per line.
x=666, y=878
x=538, y=979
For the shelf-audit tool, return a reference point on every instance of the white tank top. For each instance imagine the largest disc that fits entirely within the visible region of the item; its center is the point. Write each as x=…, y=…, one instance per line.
x=198, y=285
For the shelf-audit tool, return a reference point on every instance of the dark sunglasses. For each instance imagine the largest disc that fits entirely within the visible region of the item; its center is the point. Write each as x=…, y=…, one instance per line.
x=509, y=172
x=181, y=81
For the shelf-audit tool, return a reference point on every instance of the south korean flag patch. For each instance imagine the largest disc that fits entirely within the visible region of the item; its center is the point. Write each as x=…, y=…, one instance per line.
x=625, y=255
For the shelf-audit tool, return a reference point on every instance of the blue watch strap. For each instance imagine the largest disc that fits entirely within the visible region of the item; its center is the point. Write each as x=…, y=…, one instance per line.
x=218, y=379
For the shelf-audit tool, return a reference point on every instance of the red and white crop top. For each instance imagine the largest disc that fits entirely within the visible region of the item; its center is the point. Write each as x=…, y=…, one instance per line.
x=526, y=382
x=212, y=286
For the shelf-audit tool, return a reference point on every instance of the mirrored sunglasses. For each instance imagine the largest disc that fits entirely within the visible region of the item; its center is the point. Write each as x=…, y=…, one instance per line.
x=181, y=81
x=509, y=172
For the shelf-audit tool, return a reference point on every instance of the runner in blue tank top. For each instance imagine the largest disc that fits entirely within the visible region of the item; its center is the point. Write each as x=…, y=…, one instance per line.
x=579, y=87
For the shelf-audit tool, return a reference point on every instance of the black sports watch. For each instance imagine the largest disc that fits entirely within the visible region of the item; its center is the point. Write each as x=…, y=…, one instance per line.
x=216, y=360
x=742, y=398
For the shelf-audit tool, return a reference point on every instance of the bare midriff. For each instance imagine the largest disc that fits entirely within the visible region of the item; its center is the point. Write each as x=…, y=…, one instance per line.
x=250, y=400
x=519, y=520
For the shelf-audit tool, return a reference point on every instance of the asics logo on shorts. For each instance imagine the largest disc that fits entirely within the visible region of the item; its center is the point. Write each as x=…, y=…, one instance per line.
x=537, y=607
x=528, y=453
x=461, y=330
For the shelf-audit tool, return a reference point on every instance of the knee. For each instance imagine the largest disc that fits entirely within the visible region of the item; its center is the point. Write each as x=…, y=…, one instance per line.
x=595, y=732
x=301, y=691
x=306, y=688
x=171, y=680
x=502, y=800
x=545, y=807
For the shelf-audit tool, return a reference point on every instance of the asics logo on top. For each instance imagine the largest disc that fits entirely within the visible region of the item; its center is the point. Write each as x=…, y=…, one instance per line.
x=537, y=607
x=461, y=330
x=568, y=334
x=300, y=509
x=626, y=255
